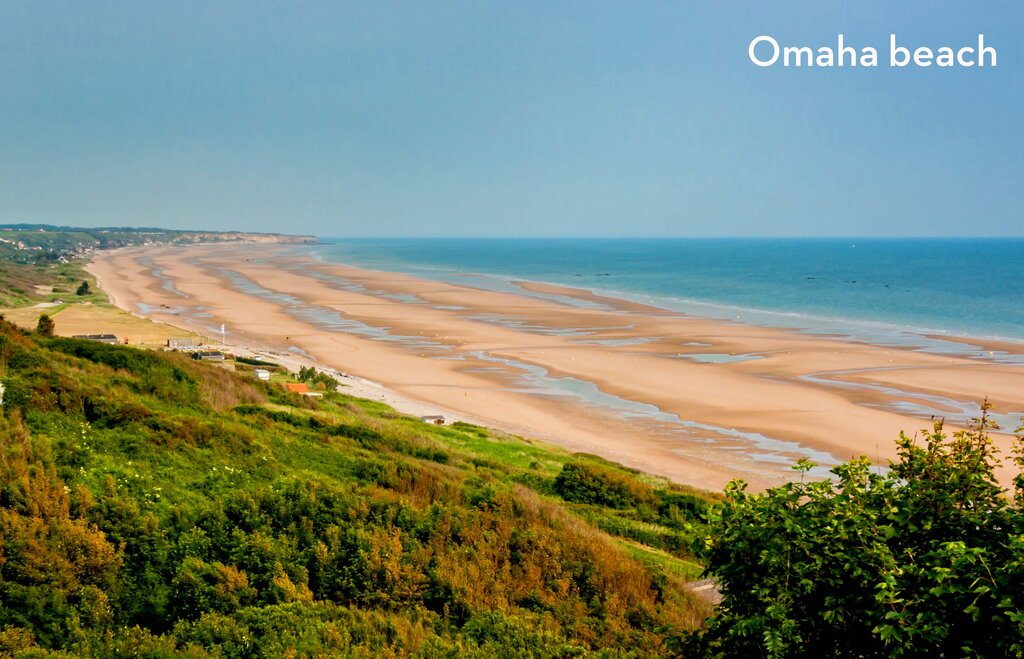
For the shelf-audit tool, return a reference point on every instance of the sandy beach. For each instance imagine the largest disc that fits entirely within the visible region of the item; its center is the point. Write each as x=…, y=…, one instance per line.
x=697, y=400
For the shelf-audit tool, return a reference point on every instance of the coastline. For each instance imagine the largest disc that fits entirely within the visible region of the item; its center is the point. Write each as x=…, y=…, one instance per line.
x=586, y=375
x=816, y=285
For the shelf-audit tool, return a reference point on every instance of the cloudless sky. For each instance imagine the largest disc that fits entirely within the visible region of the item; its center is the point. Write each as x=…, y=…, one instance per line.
x=507, y=118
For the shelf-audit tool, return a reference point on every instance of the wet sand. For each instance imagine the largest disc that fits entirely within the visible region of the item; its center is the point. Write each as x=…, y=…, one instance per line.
x=697, y=400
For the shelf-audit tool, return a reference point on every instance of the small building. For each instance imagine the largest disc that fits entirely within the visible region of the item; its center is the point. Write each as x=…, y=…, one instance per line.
x=102, y=338
x=182, y=344
x=434, y=420
x=262, y=374
x=208, y=355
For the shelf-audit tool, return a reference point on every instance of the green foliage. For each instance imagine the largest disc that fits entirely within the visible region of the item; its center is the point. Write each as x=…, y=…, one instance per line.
x=151, y=505
x=585, y=482
x=45, y=325
x=255, y=362
x=83, y=289
x=925, y=559
x=316, y=378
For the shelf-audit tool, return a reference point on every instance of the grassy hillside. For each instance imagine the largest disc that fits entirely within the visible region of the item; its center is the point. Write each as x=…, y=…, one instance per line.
x=151, y=505
x=42, y=281
x=43, y=266
x=37, y=259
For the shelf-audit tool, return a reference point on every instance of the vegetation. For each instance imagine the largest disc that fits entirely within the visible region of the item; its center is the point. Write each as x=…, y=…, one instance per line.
x=23, y=283
x=45, y=325
x=926, y=559
x=152, y=506
x=252, y=361
x=39, y=262
x=318, y=379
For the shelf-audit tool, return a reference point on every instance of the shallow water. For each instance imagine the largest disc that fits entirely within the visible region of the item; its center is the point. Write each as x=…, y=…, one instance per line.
x=870, y=289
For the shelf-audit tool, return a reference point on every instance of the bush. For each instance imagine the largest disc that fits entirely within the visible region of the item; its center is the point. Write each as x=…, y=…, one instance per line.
x=45, y=325
x=927, y=559
x=256, y=362
x=581, y=482
x=316, y=378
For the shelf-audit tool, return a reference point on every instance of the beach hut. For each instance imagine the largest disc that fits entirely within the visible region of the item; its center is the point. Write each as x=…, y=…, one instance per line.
x=262, y=374
x=434, y=419
x=182, y=344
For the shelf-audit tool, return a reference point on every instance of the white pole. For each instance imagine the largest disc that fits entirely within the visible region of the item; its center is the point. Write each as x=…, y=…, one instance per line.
x=223, y=343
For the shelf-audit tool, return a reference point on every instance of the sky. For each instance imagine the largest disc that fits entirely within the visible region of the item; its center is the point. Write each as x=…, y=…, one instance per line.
x=486, y=118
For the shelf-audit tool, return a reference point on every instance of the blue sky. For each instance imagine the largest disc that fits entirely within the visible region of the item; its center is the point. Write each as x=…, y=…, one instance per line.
x=506, y=119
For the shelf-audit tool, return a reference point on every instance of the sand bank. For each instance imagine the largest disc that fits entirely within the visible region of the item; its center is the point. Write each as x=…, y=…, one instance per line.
x=697, y=400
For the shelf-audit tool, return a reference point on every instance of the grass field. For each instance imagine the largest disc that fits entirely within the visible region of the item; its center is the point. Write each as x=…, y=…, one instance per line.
x=98, y=318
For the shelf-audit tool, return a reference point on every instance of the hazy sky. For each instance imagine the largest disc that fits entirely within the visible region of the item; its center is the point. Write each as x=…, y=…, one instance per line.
x=506, y=118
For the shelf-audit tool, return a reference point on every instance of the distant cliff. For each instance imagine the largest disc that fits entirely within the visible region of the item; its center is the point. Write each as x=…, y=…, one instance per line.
x=240, y=236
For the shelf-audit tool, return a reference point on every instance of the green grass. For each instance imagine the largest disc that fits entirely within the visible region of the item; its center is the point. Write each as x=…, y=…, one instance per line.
x=19, y=281
x=682, y=568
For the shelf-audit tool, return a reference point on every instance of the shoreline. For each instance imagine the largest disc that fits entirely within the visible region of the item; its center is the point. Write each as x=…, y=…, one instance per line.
x=971, y=344
x=854, y=328
x=351, y=384
x=577, y=376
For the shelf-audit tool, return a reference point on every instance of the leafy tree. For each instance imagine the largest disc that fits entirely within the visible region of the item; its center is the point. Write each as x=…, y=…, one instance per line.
x=317, y=378
x=45, y=325
x=925, y=558
x=83, y=289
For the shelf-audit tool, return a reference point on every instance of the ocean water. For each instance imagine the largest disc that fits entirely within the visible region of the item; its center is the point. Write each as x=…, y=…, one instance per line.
x=880, y=289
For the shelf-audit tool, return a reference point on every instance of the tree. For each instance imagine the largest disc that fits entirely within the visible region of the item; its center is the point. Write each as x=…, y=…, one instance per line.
x=316, y=378
x=45, y=325
x=926, y=558
x=83, y=289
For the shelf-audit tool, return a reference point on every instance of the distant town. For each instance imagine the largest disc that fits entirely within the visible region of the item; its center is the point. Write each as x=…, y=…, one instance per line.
x=32, y=243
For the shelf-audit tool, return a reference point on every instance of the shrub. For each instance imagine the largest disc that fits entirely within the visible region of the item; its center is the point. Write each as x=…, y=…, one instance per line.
x=927, y=559
x=45, y=325
x=255, y=362
x=582, y=482
x=317, y=378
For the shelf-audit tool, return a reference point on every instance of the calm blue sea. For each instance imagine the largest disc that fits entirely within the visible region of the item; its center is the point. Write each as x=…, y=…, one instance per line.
x=855, y=286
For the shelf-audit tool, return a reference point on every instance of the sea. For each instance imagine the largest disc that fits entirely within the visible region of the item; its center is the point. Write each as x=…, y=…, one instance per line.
x=887, y=291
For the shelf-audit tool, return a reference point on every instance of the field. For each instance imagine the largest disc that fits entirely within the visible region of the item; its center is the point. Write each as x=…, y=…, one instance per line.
x=98, y=318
